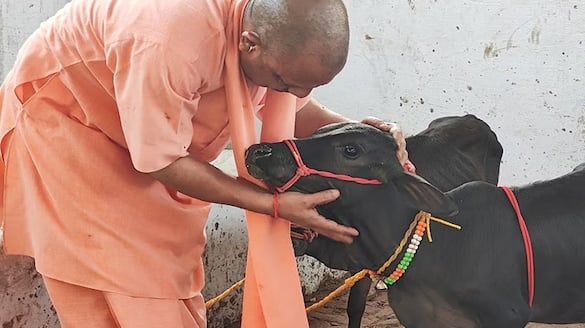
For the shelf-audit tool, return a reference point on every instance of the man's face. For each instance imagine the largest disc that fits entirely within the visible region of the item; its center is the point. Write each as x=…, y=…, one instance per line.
x=294, y=75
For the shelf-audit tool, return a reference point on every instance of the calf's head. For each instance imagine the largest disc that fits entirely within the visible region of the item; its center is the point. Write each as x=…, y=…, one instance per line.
x=351, y=149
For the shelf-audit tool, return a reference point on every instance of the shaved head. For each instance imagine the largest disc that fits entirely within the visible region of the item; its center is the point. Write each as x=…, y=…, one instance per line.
x=292, y=28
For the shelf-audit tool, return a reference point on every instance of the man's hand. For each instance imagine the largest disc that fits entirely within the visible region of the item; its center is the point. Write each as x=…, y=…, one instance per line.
x=396, y=132
x=300, y=209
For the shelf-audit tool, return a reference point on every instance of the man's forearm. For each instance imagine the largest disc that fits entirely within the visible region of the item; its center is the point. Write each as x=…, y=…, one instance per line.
x=206, y=182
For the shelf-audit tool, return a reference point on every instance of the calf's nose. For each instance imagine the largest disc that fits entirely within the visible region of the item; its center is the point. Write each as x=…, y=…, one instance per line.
x=259, y=151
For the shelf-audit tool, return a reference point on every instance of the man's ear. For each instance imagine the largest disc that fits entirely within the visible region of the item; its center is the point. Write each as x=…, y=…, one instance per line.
x=249, y=42
x=421, y=195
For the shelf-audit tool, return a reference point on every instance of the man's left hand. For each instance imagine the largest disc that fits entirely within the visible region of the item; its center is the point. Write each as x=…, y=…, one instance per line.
x=396, y=132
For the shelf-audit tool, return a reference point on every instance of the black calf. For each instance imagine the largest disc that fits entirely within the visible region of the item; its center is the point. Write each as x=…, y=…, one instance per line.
x=453, y=150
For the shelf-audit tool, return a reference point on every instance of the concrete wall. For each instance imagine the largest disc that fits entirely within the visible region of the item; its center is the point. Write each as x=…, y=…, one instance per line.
x=519, y=65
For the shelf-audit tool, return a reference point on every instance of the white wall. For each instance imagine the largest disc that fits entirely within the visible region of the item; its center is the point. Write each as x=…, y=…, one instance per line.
x=519, y=65
x=18, y=19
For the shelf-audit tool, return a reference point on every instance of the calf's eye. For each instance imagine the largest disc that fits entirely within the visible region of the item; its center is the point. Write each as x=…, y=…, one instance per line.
x=351, y=151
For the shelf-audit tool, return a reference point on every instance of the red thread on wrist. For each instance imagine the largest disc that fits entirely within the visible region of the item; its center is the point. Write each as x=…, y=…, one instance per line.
x=275, y=204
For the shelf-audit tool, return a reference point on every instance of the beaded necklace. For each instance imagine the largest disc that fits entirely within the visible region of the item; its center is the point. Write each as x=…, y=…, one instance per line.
x=420, y=224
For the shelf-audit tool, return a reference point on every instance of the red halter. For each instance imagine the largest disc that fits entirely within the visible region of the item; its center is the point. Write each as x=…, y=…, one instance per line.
x=303, y=170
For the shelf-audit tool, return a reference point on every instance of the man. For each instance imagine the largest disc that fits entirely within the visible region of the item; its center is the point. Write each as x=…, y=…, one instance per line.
x=109, y=120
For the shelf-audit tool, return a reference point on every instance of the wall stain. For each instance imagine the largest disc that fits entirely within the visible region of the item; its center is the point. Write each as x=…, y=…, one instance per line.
x=411, y=4
x=581, y=125
x=491, y=51
x=535, y=35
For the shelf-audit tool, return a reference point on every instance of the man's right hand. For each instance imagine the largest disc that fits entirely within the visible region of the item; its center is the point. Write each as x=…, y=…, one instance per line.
x=301, y=209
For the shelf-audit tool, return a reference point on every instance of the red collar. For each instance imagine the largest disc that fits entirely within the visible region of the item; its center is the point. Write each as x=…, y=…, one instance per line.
x=527, y=243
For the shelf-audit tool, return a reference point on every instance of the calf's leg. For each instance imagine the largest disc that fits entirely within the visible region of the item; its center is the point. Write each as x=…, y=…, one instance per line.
x=356, y=303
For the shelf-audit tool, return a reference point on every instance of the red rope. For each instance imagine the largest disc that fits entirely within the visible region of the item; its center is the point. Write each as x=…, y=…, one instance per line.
x=409, y=167
x=527, y=242
x=305, y=234
x=304, y=170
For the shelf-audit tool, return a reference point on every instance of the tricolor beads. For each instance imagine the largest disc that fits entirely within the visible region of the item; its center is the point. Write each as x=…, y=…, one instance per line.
x=417, y=237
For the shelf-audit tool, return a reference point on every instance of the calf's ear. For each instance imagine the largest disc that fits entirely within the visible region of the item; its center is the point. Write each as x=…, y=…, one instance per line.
x=421, y=195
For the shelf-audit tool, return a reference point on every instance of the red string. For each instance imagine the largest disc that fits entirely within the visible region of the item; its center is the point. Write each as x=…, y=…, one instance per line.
x=527, y=242
x=275, y=204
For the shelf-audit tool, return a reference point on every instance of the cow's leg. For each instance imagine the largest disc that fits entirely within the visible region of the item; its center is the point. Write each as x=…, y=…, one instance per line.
x=356, y=303
x=420, y=307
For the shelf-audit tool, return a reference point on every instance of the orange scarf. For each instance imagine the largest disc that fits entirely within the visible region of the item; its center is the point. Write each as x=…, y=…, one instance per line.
x=272, y=294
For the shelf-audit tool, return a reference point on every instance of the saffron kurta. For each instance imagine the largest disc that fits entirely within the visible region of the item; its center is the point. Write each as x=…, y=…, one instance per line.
x=101, y=93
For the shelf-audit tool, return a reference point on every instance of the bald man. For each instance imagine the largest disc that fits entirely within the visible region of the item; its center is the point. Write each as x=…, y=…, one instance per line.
x=109, y=119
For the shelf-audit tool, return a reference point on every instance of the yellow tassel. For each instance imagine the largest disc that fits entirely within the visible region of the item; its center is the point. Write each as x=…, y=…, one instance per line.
x=427, y=218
